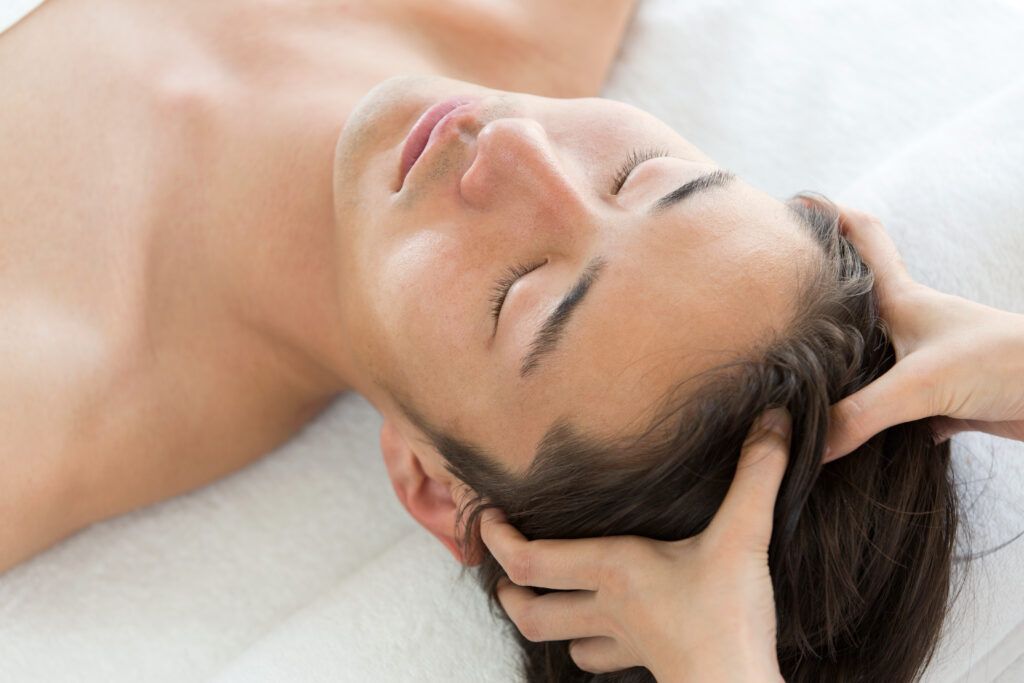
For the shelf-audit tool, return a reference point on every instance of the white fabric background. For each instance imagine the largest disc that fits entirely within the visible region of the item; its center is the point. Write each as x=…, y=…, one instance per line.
x=303, y=566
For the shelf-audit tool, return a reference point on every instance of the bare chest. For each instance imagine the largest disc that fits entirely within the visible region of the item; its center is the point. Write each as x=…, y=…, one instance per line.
x=70, y=218
x=100, y=130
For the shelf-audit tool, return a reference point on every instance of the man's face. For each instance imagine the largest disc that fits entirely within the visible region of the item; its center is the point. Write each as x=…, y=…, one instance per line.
x=626, y=292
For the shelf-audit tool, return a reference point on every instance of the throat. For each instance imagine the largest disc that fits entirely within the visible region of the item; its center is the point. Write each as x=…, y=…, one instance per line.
x=279, y=252
x=247, y=231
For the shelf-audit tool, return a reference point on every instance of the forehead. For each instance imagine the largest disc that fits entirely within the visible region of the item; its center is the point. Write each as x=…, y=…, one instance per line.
x=681, y=292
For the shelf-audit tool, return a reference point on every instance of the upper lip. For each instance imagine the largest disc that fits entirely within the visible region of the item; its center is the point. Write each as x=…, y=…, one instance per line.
x=429, y=127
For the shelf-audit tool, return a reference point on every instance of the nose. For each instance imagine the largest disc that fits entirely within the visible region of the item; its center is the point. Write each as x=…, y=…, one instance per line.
x=516, y=163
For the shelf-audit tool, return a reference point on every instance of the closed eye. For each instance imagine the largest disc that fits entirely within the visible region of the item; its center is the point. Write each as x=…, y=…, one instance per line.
x=635, y=158
x=500, y=289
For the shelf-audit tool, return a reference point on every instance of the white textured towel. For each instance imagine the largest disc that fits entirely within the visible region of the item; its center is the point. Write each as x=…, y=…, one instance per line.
x=303, y=567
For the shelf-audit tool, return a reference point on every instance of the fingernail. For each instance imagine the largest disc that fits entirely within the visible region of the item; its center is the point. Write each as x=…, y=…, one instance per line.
x=776, y=420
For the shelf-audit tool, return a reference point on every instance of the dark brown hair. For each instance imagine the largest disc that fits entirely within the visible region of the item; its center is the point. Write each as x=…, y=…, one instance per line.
x=861, y=550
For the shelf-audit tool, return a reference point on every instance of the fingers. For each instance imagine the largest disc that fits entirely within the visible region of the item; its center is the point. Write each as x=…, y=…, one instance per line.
x=554, y=616
x=557, y=564
x=891, y=399
x=877, y=249
x=750, y=503
x=601, y=654
x=565, y=616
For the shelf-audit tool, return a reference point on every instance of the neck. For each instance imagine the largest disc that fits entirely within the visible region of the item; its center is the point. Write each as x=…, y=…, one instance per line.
x=270, y=261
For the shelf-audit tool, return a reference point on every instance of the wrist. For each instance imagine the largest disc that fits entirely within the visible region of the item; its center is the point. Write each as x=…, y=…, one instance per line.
x=729, y=667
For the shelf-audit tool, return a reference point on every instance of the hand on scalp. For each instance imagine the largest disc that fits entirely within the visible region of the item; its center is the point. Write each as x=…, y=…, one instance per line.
x=699, y=605
x=956, y=360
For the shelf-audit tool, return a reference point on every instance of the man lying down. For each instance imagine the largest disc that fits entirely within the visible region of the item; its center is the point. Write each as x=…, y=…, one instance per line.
x=562, y=309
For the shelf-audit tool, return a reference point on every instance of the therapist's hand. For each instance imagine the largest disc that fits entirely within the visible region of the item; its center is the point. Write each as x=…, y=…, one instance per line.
x=956, y=359
x=699, y=609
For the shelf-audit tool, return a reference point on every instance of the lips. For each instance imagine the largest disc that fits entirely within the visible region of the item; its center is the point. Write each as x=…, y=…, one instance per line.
x=422, y=131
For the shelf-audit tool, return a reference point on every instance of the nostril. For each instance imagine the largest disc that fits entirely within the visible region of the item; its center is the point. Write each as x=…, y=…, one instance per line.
x=463, y=118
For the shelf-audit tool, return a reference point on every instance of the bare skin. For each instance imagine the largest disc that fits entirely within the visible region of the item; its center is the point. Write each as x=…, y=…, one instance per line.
x=156, y=249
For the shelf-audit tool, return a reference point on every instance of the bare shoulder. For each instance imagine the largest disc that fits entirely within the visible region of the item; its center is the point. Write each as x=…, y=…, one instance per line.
x=46, y=364
x=561, y=48
x=581, y=37
x=93, y=427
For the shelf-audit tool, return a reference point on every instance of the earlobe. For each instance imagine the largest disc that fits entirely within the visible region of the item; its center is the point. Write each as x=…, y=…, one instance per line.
x=428, y=499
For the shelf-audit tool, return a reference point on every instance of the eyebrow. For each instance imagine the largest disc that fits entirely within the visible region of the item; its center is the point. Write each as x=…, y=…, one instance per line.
x=553, y=329
x=695, y=186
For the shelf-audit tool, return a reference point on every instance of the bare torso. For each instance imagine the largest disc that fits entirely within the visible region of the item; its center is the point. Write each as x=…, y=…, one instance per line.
x=121, y=125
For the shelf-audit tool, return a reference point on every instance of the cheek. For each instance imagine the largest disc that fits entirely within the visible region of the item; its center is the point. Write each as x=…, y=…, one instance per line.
x=430, y=298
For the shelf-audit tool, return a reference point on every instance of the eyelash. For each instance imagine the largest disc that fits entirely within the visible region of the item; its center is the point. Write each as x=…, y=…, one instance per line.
x=635, y=158
x=500, y=289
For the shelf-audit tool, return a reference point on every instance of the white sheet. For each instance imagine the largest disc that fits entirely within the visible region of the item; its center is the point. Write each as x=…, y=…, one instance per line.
x=303, y=567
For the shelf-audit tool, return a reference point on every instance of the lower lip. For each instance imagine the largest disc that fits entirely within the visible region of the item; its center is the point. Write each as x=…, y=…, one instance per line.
x=419, y=135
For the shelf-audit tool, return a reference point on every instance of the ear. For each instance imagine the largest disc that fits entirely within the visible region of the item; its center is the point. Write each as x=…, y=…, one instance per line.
x=425, y=492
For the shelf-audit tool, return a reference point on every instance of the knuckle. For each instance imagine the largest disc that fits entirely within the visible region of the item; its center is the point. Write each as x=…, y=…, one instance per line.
x=765, y=457
x=767, y=447
x=615, y=580
x=852, y=413
x=520, y=567
x=850, y=416
x=854, y=216
x=871, y=219
x=529, y=624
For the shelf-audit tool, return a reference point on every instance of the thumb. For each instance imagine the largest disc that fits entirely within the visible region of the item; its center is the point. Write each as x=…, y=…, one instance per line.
x=892, y=399
x=747, y=511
